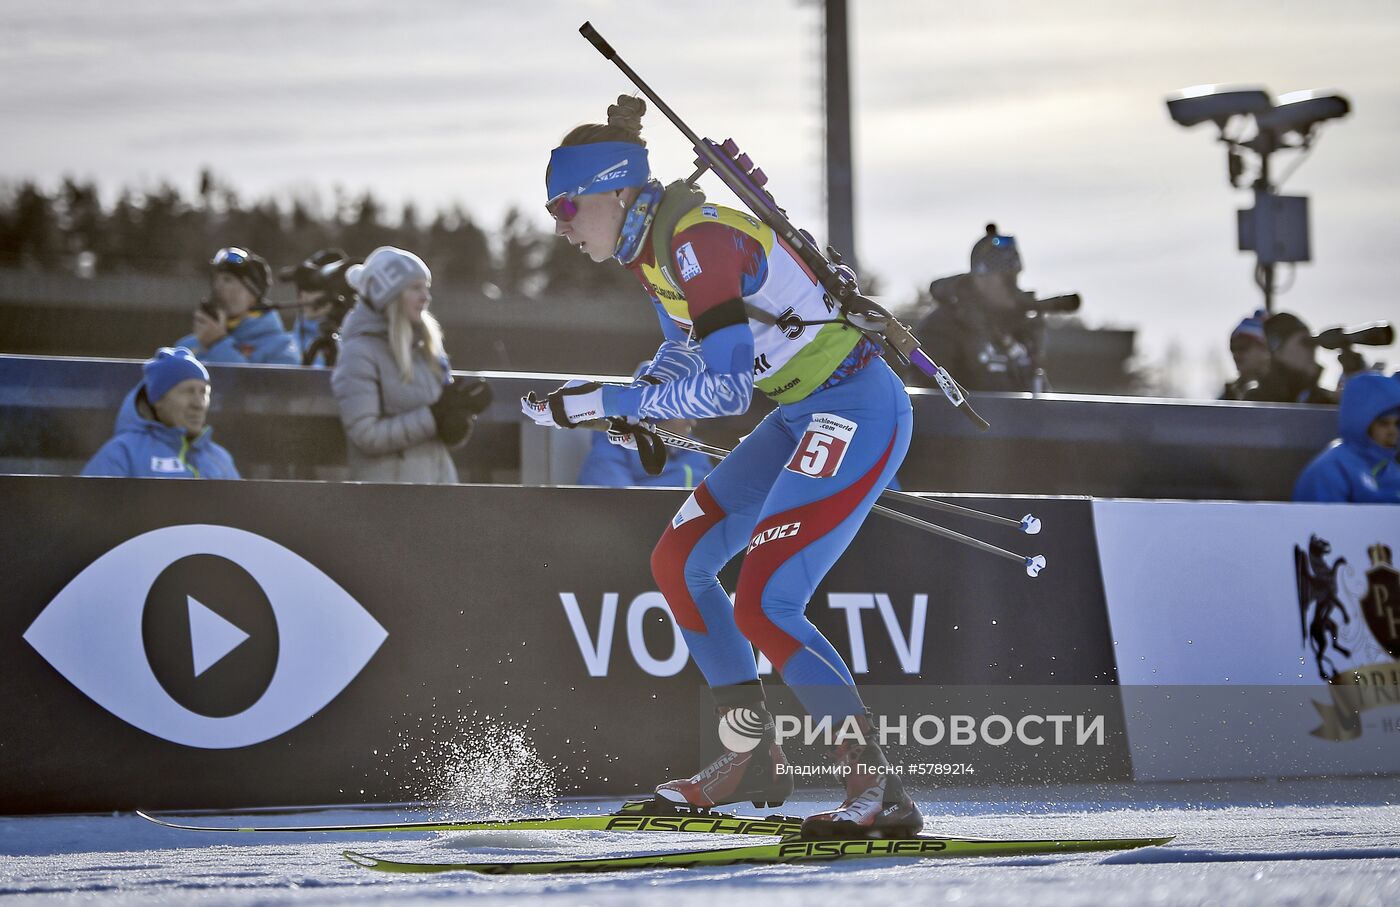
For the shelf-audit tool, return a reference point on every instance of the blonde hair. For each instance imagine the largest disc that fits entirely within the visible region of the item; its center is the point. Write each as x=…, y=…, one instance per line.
x=405, y=338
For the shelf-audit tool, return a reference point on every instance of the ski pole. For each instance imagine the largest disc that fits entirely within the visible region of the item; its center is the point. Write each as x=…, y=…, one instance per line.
x=746, y=181
x=1033, y=564
x=1029, y=524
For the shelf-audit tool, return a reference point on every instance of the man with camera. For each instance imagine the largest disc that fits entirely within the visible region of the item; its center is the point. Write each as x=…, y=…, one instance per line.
x=986, y=330
x=233, y=325
x=324, y=299
x=1293, y=373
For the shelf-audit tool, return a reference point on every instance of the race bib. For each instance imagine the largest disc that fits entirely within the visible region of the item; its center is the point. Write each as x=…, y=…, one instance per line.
x=823, y=446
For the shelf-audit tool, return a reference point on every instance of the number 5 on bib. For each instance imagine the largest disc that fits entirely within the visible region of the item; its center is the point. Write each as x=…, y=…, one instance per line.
x=823, y=446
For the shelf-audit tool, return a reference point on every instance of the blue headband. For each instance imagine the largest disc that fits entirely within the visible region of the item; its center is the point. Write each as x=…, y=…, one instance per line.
x=597, y=167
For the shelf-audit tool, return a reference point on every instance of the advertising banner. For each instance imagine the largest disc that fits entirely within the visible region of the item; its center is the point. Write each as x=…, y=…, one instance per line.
x=171, y=644
x=1255, y=640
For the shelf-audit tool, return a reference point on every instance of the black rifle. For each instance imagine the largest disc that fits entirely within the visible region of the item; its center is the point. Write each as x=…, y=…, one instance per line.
x=736, y=171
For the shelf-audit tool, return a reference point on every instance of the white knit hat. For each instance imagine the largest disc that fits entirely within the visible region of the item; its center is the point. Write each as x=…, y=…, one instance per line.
x=384, y=274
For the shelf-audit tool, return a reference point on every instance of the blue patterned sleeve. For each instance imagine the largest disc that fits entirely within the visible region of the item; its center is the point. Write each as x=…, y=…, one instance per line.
x=722, y=385
x=675, y=360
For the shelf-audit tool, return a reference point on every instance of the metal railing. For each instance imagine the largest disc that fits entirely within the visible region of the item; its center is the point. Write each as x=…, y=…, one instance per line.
x=282, y=422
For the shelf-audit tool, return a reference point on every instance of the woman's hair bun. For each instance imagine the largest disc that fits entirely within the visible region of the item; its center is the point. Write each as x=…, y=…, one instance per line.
x=626, y=114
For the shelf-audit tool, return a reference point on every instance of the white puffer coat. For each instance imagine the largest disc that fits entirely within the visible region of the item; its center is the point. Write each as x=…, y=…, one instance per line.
x=390, y=432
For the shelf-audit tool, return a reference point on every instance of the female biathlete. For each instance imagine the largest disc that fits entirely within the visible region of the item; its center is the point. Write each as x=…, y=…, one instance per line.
x=737, y=311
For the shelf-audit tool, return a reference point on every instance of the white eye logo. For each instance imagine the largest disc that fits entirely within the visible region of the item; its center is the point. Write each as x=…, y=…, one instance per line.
x=92, y=633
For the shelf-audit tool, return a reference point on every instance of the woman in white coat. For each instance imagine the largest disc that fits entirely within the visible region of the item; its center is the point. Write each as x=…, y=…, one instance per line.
x=401, y=409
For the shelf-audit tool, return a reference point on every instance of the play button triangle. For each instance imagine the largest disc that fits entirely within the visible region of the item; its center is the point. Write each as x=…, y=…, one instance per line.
x=211, y=637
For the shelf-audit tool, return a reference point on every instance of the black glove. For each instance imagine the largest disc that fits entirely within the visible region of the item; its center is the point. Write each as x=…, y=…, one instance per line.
x=475, y=393
x=456, y=408
x=650, y=448
x=652, y=451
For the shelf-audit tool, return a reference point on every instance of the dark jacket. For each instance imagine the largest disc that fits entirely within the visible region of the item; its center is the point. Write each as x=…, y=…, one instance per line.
x=1283, y=385
x=982, y=349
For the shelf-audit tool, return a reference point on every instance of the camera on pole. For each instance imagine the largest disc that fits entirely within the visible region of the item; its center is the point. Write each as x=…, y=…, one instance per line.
x=1251, y=124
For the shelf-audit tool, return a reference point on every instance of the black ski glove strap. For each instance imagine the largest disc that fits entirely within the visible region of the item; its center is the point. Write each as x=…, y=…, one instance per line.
x=651, y=449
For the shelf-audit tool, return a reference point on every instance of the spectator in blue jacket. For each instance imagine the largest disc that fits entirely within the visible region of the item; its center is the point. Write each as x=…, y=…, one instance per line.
x=615, y=466
x=1359, y=467
x=160, y=430
x=227, y=328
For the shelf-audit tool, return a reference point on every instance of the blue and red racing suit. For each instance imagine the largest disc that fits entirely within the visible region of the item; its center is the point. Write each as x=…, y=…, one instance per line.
x=794, y=492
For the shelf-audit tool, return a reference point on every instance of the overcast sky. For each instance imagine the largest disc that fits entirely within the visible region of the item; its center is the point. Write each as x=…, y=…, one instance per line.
x=1045, y=117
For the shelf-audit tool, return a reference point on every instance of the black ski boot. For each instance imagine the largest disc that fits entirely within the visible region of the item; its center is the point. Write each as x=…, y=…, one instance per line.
x=876, y=805
x=750, y=768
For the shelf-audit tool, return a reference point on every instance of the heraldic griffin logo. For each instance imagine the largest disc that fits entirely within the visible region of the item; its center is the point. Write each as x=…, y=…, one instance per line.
x=1317, y=586
x=1369, y=676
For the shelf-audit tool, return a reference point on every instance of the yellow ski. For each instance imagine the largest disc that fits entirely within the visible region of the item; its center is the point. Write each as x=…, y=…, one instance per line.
x=788, y=851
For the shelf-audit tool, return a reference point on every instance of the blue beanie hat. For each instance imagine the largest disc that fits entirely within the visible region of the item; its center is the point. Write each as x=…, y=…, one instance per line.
x=167, y=368
x=1252, y=327
x=995, y=254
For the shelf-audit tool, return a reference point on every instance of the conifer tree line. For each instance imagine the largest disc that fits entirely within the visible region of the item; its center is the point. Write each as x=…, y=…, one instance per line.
x=159, y=231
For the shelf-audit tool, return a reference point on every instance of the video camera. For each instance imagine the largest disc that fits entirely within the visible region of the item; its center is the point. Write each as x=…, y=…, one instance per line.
x=956, y=289
x=1054, y=305
x=323, y=273
x=1377, y=333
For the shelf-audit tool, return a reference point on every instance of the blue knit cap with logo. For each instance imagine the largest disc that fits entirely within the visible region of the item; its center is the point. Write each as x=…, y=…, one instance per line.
x=167, y=368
